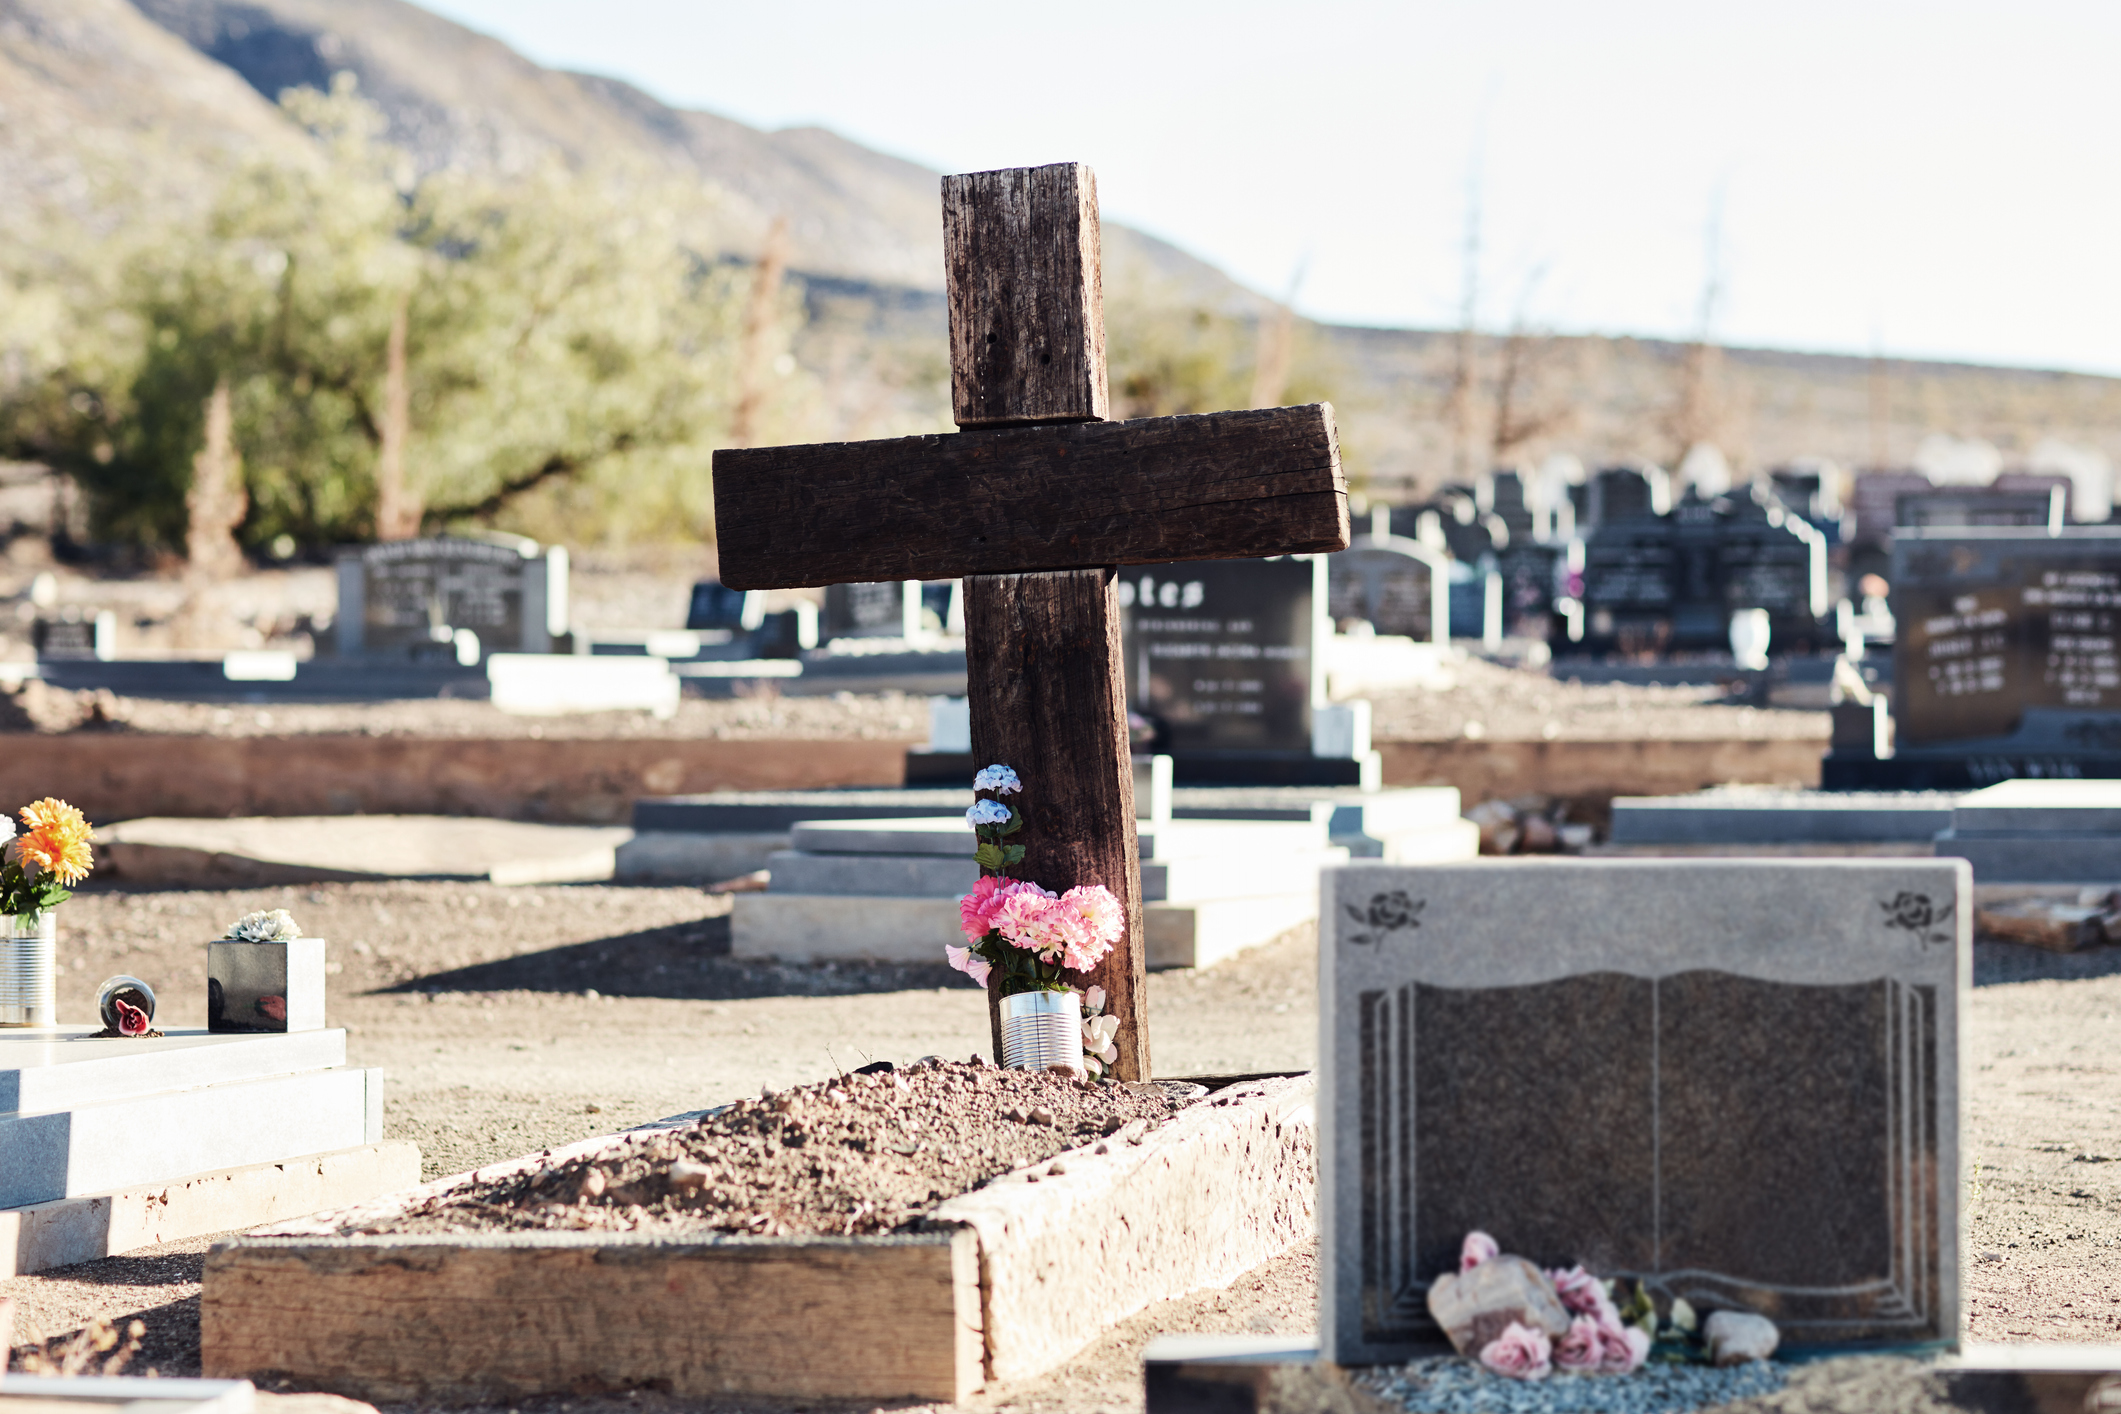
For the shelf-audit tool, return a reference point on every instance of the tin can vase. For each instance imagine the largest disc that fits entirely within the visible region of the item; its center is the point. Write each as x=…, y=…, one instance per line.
x=1043, y=1031
x=28, y=973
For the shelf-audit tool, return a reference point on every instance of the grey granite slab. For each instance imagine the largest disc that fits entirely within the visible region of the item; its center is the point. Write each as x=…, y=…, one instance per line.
x=46, y=1071
x=2042, y=807
x=2036, y=859
x=140, y=1139
x=1727, y=816
x=1738, y=1080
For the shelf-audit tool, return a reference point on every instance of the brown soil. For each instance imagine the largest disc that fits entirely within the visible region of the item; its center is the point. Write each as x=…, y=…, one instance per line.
x=857, y=1155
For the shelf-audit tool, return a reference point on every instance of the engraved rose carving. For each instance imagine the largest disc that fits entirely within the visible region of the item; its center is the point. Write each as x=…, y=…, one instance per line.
x=1387, y=913
x=1918, y=914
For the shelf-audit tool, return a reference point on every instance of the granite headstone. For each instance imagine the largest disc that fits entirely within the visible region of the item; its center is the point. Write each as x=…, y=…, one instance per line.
x=1734, y=1080
x=451, y=598
x=1998, y=623
x=1222, y=654
x=889, y=609
x=1395, y=584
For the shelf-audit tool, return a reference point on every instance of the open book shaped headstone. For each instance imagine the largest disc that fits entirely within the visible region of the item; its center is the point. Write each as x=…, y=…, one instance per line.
x=1736, y=1080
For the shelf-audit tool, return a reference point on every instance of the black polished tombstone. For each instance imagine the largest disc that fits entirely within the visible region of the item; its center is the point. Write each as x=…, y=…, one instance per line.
x=868, y=611
x=2006, y=661
x=1222, y=668
x=1670, y=583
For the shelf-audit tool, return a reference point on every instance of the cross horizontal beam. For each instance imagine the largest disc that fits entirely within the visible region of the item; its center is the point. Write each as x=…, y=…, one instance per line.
x=1213, y=486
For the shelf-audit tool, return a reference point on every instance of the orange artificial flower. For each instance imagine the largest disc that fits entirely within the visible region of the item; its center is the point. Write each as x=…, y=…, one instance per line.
x=54, y=842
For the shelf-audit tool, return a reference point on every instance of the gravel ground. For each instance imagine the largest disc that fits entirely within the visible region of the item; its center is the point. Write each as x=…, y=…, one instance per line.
x=1448, y=1385
x=1477, y=699
x=517, y=1019
x=852, y=1156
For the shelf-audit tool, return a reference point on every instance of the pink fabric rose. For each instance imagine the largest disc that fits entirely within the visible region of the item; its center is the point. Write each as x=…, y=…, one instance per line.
x=1581, y=1351
x=1477, y=1249
x=1624, y=1348
x=1581, y=1292
x=969, y=962
x=1520, y=1352
x=132, y=1020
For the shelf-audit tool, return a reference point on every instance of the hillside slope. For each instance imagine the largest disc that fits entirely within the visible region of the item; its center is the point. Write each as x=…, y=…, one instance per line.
x=152, y=99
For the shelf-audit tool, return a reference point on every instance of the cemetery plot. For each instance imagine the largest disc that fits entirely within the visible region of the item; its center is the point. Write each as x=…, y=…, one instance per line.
x=1735, y=1081
x=375, y=1301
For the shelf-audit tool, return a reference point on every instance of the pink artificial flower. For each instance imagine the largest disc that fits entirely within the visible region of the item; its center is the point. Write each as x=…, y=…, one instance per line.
x=132, y=1020
x=1478, y=1248
x=1581, y=1351
x=1028, y=919
x=1581, y=1292
x=976, y=909
x=969, y=962
x=1520, y=1352
x=1100, y=923
x=1624, y=1347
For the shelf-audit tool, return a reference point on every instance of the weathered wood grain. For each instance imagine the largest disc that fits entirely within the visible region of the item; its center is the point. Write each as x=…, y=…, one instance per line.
x=1022, y=265
x=1048, y=696
x=1224, y=485
x=491, y=1318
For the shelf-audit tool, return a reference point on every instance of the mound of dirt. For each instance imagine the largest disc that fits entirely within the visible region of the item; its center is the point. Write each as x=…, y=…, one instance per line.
x=861, y=1154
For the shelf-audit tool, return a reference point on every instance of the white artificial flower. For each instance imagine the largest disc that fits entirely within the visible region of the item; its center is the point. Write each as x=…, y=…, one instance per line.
x=999, y=779
x=1093, y=1066
x=1093, y=1001
x=277, y=926
x=1110, y=1054
x=987, y=812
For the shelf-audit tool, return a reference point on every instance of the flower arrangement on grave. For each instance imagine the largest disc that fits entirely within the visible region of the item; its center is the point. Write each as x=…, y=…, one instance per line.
x=41, y=864
x=44, y=860
x=1033, y=938
x=278, y=926
x=1526, y=1323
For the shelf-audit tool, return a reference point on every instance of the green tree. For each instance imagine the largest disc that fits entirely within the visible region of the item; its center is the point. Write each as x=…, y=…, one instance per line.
x=566, y=361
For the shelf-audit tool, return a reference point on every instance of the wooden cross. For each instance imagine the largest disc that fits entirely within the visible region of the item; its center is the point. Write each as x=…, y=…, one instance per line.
x=1035, y=502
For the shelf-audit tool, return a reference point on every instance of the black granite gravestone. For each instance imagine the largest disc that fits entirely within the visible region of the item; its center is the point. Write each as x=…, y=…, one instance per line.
x=1670, y=583
x=450, y=599
x=869, y=611
x=1948, y=507
x=1733, y=1080
x=1221, y=653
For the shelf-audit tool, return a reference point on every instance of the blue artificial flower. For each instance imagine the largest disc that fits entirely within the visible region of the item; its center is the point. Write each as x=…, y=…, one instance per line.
x=999, y=779
x=987, y=812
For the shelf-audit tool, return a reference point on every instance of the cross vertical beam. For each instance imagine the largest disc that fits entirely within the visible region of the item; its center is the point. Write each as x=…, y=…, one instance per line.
x=1045, y=682
x=1048, y=695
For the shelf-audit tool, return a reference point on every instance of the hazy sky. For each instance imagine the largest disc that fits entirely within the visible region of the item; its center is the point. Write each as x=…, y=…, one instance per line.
x=1934, y=179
